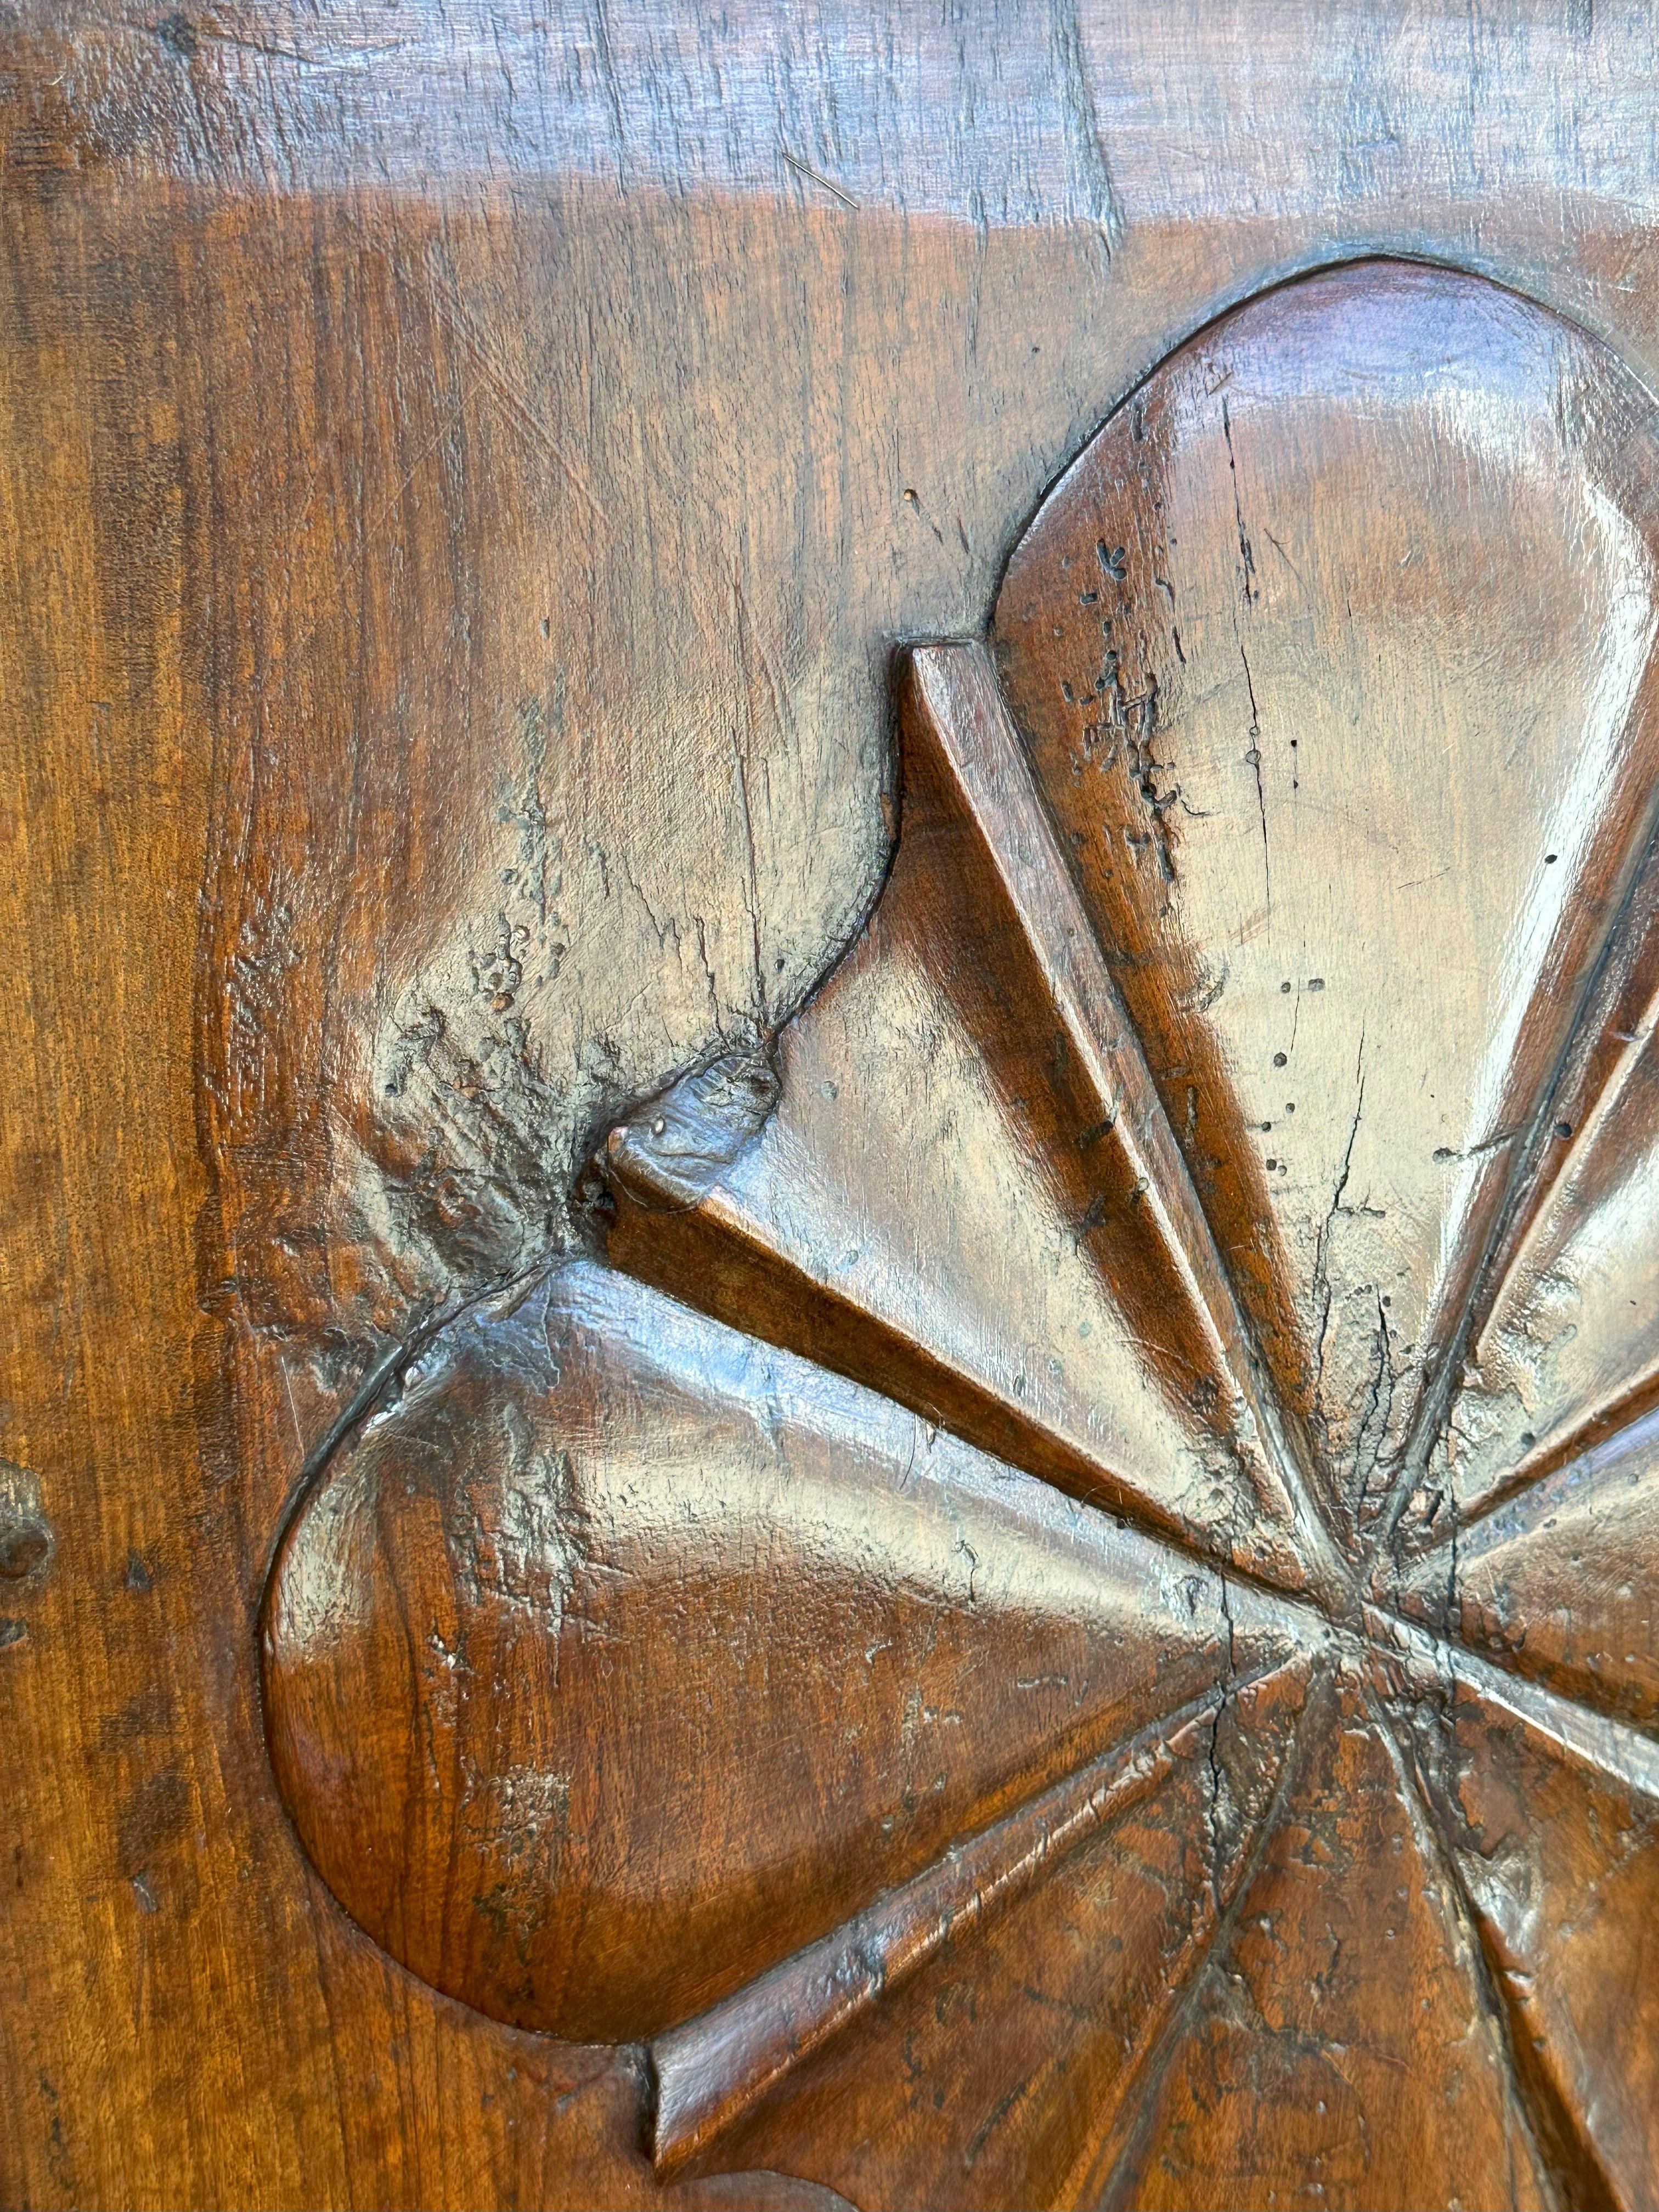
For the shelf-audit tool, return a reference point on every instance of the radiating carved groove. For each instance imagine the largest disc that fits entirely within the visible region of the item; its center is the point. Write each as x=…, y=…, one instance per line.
x=1598, y=1436
x=1347, y=1977
x=1636, y=1439
x=711, y=2070
x=1559, y=2135
x=1560, y=1860
x=1566, y=2153
x=1594, y=1526
x=1440, y=1381
x=1563, y=2141
x=1530, y=1183
x=1617, y=1020
x=723, y=1257
x=1141, y=2089
x=966, y=707
x=1605, y=1435
x=1624, y=1754
x=717, y=1263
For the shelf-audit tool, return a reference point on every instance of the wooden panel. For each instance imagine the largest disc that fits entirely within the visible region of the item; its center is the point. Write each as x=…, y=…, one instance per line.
x=465, y=474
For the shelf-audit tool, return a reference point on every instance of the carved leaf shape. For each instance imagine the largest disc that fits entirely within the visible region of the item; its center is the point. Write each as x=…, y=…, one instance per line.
x=622, y=1656
x=1228, y=1150
x=1333, y=649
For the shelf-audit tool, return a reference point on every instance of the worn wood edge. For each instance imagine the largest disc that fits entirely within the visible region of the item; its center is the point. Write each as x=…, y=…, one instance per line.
x=708, y=2072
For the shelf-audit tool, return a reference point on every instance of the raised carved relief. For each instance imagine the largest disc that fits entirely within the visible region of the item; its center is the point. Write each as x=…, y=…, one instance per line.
x=1063, y=1610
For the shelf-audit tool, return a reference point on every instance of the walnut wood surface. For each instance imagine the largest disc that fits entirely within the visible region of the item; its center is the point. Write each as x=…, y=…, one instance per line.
x=691, y=1511
x=1334, y=652
x=1031, y=1266
x=701, y=1650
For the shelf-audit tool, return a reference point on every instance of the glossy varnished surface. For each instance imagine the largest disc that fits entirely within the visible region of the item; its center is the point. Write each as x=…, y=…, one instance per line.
x=1333, y=650
x=1348, y=2021
x=702, y=1650
x=702, y=1683
x=1012, y=2070
x=463, y=475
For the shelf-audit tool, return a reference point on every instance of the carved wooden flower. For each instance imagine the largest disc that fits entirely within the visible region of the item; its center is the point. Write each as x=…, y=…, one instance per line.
x=1071, y=1619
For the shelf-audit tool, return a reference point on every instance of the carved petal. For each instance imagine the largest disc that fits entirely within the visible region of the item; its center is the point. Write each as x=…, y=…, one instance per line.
x=969, y=1191
x=1562, y=1583
x=1568, y=1348
x=623, y=1656
x=997, y=2074
x=1333, y=649
x=1560, y=1858
x=1339, y=2035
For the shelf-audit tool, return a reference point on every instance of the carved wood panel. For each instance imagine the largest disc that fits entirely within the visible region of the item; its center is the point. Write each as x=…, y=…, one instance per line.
x=834, y=927
x=1013, y=1631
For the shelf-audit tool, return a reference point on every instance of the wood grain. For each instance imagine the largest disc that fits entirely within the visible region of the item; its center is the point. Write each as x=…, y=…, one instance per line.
x=464, y=476
x=702, y=1651
x=1335, y=650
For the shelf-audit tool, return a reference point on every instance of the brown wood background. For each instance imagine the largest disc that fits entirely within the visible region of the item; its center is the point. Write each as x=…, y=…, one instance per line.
x=462, y=476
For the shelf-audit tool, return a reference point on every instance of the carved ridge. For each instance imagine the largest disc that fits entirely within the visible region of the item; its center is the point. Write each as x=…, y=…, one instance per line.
x=1050, y=1232
x=711, y=2069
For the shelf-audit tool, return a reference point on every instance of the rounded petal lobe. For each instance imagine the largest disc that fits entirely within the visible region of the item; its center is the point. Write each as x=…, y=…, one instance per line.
x=1333, y=650
x=621, y=1656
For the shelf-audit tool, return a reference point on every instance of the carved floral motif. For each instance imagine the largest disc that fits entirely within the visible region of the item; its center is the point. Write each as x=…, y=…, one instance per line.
x=1071, y=1617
